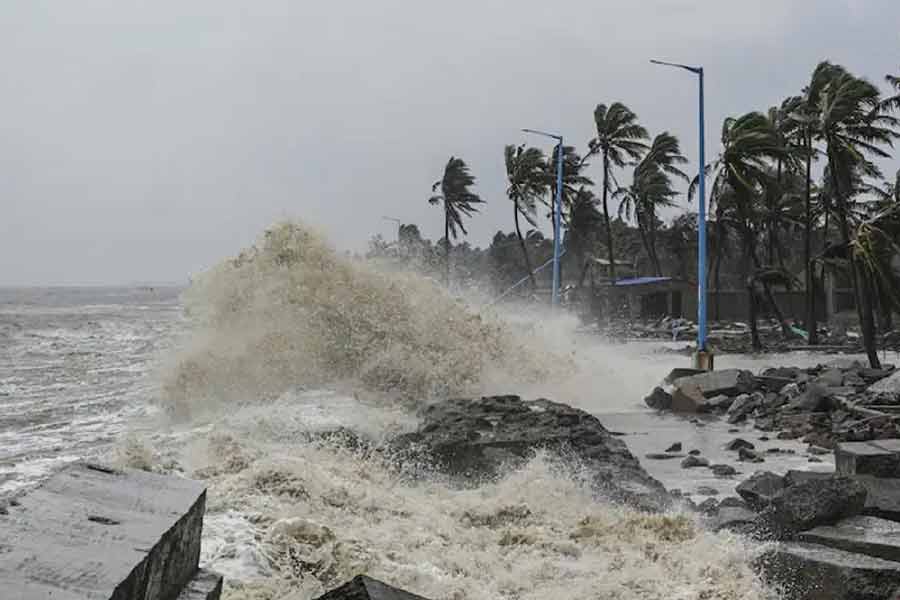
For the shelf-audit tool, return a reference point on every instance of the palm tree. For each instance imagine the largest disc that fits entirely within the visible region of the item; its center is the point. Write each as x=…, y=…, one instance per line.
x=457, y=200
x=853, y=125
x=526, y=176
x=651, y=189
x=740, y=176
x=619, y=138
x=582, y=222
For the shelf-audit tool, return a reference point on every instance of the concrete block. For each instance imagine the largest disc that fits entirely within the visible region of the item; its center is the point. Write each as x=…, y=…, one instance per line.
x=366, y=588
x=812, y=572
x=882, y=496
x=880, y=458
x=205, y=585
x=864, y=535
x=95, y=533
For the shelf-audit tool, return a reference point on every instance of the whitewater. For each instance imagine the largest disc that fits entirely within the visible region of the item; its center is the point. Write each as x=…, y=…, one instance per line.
x=234, y=380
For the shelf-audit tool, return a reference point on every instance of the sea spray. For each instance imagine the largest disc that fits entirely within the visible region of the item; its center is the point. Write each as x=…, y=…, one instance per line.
x=290, y=312
x=292, y=513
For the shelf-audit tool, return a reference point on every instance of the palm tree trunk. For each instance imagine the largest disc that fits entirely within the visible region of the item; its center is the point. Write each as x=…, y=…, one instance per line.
x=609, y=239
x=522, y=245
x=446, y=244
x=862, y=297
x=811, y=325
x=786, y=330
x=652, y=227
x=746, y=261
x=644, y=240
x=773, y=232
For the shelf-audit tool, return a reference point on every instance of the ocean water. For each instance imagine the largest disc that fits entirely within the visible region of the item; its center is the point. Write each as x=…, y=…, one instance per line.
x=229, y=380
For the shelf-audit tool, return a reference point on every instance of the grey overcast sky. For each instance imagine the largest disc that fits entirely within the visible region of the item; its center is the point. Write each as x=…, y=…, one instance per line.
x=145, y=140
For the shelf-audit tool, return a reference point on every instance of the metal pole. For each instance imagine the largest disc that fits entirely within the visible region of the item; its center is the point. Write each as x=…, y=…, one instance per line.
x=701, y=234
x=557, y=211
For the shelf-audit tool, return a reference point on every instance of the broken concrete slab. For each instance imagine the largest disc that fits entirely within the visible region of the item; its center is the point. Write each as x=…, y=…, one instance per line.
x=205, y=585
x=760, y=489
x=728, y=382
x=882, y=496
x=113, y=534
x=807, y=571
x=880, y=458
x=688, y=397
x=888, y=385
x=794, y=476
x=864, y=535
x=366, y=588
x=816, y=502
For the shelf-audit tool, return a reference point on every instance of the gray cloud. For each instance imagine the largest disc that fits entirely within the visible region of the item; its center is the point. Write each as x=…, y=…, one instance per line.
x=145, y=140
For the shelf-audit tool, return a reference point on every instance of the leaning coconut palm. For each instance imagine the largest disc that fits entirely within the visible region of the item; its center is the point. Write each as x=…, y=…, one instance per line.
x=458, y=202
x=619, y=139
x=527, y=183
x=740, y=175
x=853, y=126
x=651, y=189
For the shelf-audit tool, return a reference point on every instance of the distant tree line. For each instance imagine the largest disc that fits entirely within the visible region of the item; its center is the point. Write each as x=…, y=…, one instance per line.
x=794, y=190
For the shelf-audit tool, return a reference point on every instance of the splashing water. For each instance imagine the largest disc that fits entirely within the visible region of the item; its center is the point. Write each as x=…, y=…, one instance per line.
x=290, y=515
x=291, y=312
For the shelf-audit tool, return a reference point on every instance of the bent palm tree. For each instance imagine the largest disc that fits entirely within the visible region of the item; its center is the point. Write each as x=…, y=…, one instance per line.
x=619, y=138
x=853, y=125
x=651, y=189
x=526, y=176
x=740, y=174
x=458, y=202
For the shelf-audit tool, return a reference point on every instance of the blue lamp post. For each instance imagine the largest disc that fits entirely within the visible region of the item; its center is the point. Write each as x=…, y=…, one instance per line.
x=703, y=358
x=556, y=209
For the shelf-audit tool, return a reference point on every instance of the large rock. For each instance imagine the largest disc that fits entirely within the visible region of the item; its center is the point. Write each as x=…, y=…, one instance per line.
x=95, y=532
x=688, y=397
x=888, y=385
x=812, y=572
x=659, y=399
x=472, y=440
x=760, y=489
x=865, y=535
x=730, y=382
x=880, y=458
x=366, y=588
x=815, y=502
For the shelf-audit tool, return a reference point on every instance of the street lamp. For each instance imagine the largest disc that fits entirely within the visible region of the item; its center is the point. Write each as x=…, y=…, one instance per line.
x=556, y=209
x=703, y=358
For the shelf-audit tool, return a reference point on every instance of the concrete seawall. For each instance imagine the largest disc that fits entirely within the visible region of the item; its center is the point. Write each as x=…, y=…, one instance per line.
x=92, y=533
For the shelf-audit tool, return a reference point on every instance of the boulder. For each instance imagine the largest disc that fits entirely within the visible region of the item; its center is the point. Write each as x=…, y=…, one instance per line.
x=366, y=588
x=760, y=489
x=738, y=443
x=723, y=470
x=733, y=501
x=805, y=571
x=688, y=397
x=793, y=477
x=676, y=447
x=709, y=506
x=474, y=440
x=814, y=399
x=815, y=502
x=733, y=518
x=728, y=382
x=659, y=399
x=747, y=455
x=694, y=461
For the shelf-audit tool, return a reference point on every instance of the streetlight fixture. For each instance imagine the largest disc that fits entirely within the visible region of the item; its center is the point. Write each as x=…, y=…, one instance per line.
x=703, y=358
x=556, y=209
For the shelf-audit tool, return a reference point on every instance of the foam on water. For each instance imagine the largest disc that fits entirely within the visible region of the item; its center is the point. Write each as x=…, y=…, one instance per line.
x=290, y=515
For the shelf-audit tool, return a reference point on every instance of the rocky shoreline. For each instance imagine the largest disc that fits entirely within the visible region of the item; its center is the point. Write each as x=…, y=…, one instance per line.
x=833, y=535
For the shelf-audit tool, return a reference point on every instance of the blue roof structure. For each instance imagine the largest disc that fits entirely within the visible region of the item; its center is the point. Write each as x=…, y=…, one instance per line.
x=642, y=280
